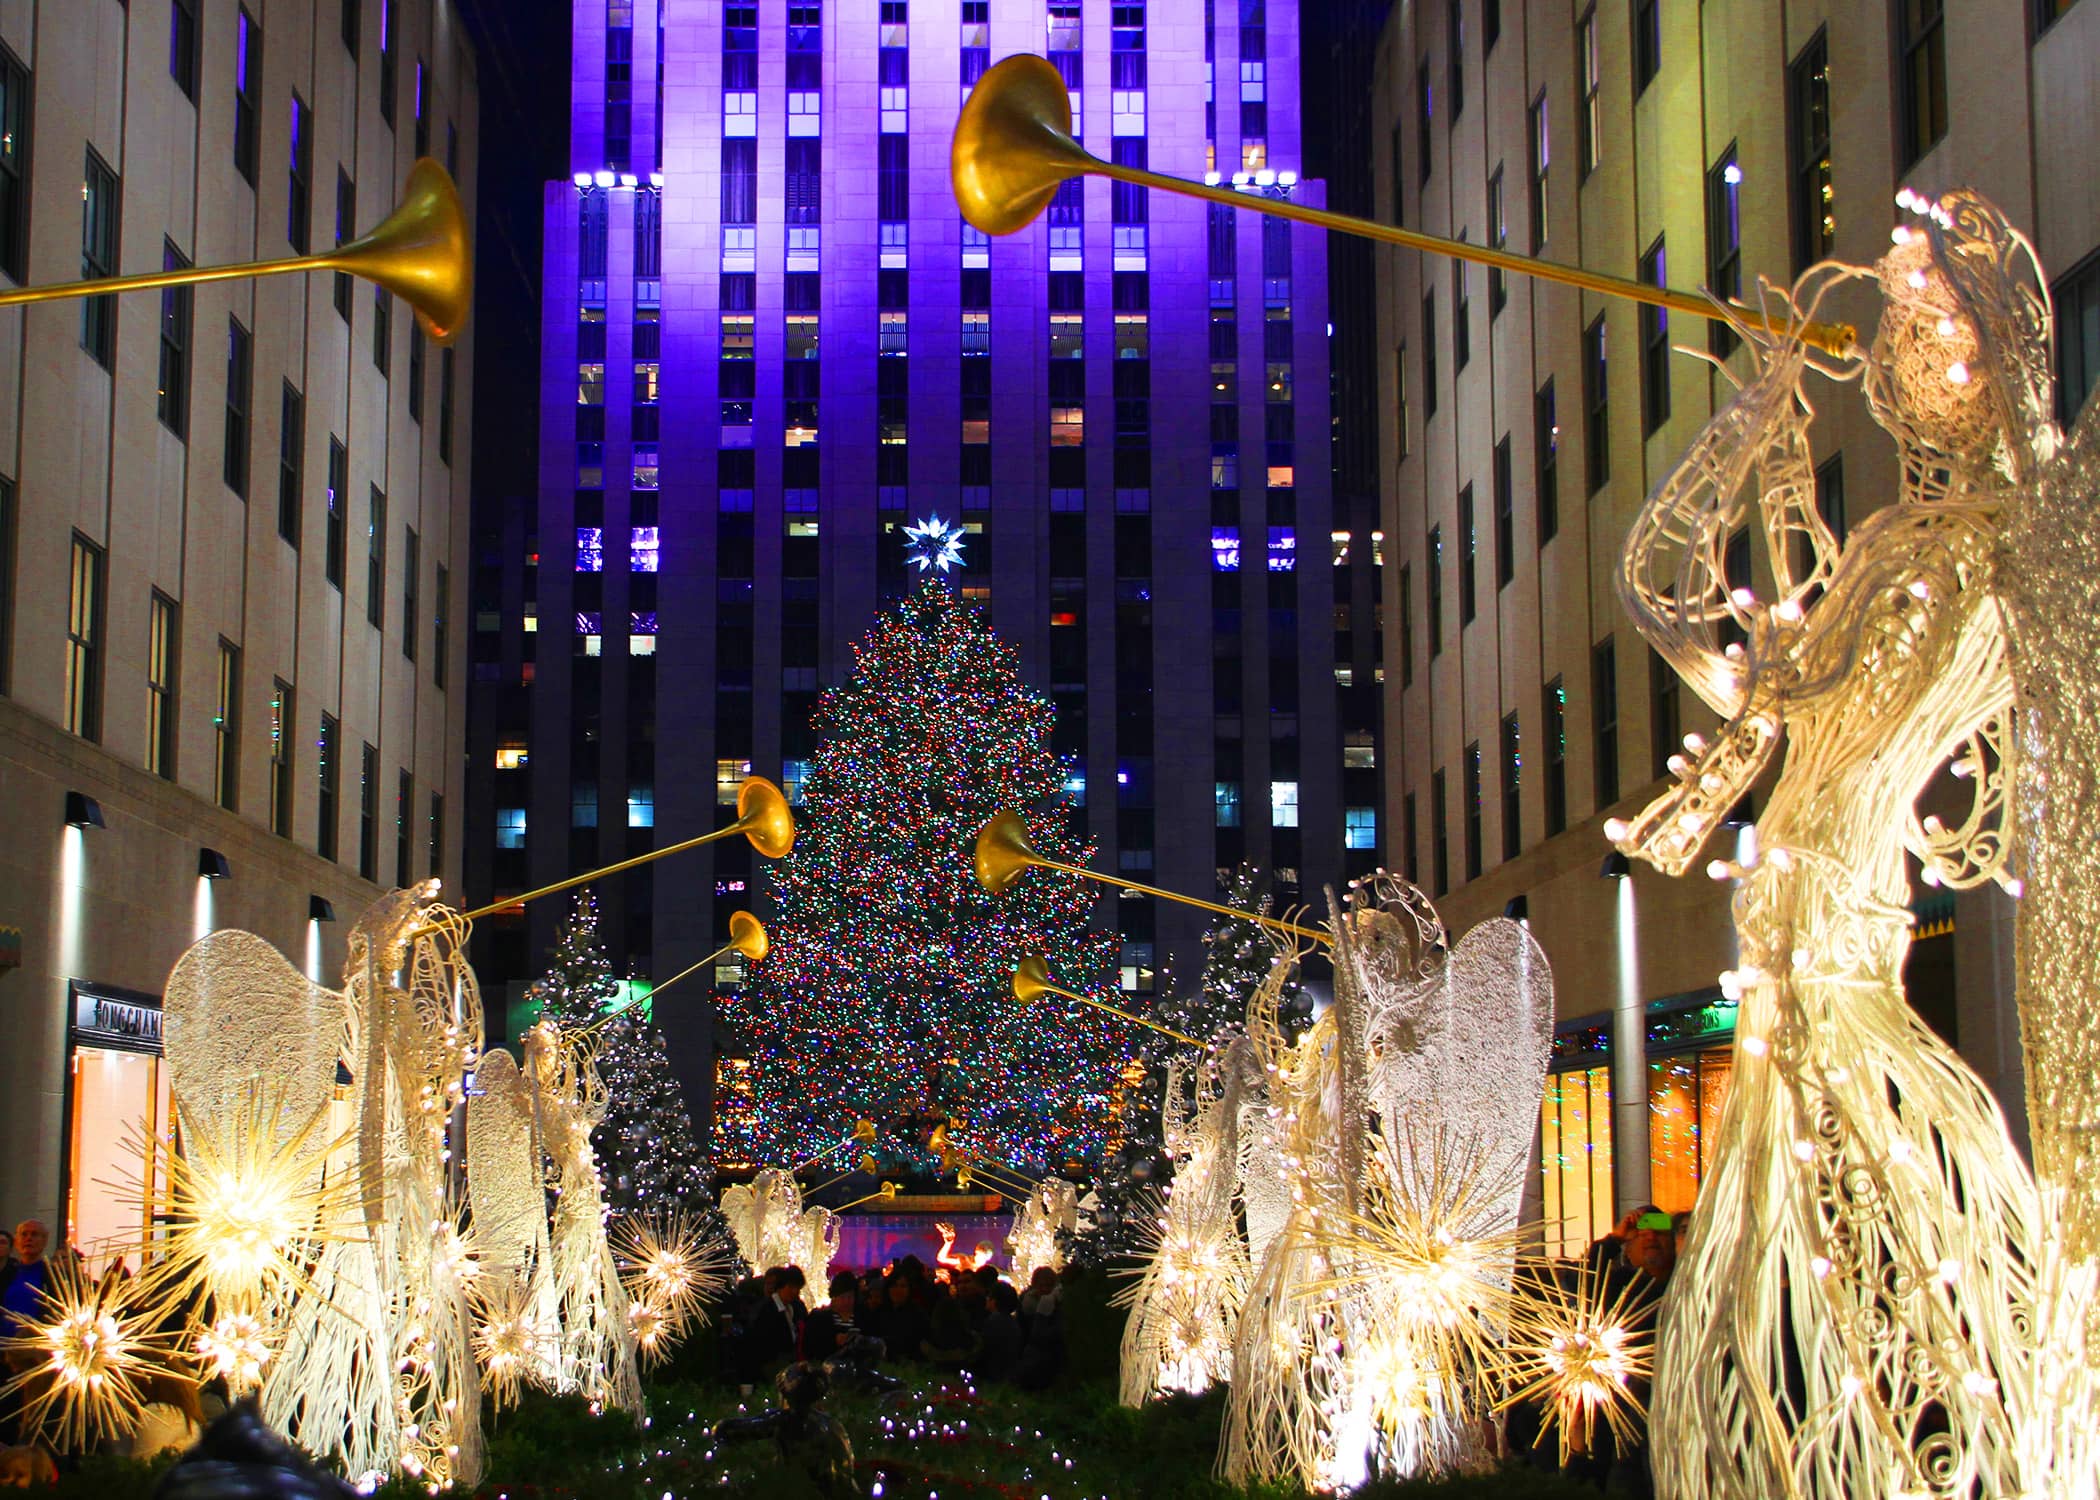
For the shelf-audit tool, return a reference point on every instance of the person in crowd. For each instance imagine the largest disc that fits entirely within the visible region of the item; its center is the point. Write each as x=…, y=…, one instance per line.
x=775, y=1333
x=7, y=1257
x=904, y=1320
x=1635, y=1260
x=831, y=1327
x=948, y=1338
x=999, y=1338
x=1042, y=1356
x=31, y=1242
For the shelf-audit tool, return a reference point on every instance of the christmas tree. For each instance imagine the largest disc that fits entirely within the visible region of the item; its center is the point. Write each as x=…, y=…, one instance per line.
x=887, y=993
x=648, y=1157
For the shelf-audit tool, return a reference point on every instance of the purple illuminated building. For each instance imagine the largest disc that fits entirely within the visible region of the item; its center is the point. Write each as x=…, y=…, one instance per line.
x=770, y=342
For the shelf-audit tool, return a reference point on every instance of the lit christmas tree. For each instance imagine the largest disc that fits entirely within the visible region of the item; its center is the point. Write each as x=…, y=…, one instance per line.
x=887, y=993
x=648, y=1157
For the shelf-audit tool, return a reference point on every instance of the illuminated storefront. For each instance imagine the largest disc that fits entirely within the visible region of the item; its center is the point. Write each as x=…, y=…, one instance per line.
x=120, y=1119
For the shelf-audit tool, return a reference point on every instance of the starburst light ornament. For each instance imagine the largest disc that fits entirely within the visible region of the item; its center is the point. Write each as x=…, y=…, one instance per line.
x=933, y=545
x=1579, y=1353
x=236, y=1349
x=95, y=1358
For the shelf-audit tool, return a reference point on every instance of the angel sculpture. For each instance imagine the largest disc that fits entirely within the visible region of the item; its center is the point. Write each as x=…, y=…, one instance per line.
x=1042, y=1227
x=1857, y=1300
x=773, y=1229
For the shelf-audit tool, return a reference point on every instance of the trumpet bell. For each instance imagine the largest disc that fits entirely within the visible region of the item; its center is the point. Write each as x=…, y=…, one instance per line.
x=1003, y=852
x=763, y=816
x=421, y=252
x=747, y=935
x=1013, y=145
x=1031, y=979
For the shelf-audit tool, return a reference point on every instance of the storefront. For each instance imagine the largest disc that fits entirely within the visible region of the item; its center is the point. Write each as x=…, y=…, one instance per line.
x=120, y=1120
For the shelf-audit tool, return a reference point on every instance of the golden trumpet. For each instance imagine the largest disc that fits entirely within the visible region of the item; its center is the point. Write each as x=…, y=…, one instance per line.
x=747, y=935
x=1013, y=145
x=420, y=252
x=1032, y=982
x=1004, y=852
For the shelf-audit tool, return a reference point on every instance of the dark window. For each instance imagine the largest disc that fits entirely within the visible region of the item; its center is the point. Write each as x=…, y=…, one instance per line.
x=1647, y=44
x=1505, y=516
x=1604, y=700
x=1455, y=34
x=1556, y=747
x=281, y=758
x=440, y=611
x=175, y=305
x=1428, y=355
x=893, y=178
x=98, y=258
x=740, y=180
x=2077, y=299
x=1830, y=495
x=1434, y=594
x=2048, y=12
x=291, y=462
x=1596, y=397
x=805, y=169
x=1410, y=859
x=163, y=672
x=226, y=729
x=1461, y=316
x=84, y=641
x=1664, y=729
x=1490, y=24
x=299, y=193
x=1541, y=147
x=1545, y=460
x=386, y=61
x=1467, y=549
x=1400, y=402
x=382, y=331
x=327, y=776
x=1471, y=811
x=1128, y=203
x=404, y=818
x=415, y=370
x=1808, y=140
x=1589, y=117
x=422, y=103
x=411, y=591
x=240, y=395
x=247, y=96
x=445, y=405
x=1655, y=345
x=1498, y=236
x=368, y=813
x=1407, y=625
x=1425, y=117
x=182, y=45
x=1398, y=211
x=345, y=229
x=1921, y=76
x=1724, y=244
x=1512, y=803
x=14, y=167
x=338, y=500
x=352, y=17
x=1439, y=837
x=593, y=235
x=375, y=559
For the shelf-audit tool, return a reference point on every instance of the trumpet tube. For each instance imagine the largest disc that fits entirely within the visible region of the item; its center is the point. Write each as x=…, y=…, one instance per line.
x=1032, y=981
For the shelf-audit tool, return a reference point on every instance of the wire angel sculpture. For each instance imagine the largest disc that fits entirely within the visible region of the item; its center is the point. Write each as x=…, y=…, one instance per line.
x=1041, y=1227
x=1859, y=1293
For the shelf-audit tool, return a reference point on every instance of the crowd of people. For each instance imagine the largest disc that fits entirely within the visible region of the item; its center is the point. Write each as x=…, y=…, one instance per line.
x=975, y=1321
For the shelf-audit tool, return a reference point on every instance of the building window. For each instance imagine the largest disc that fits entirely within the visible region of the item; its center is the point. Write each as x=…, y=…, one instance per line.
x=422, y=106
x=1555, y=740
x=1468, y=549
x=226, y=730
x=1425, y=117
x=1283, y=804
x=386, y=61
x=1655, y=345
x=404, y=817
x=2077, y=299
x=415, y=371
x=893, y=178
x=327, y=744
x=1541, y=146
x=1397, y=178
x=368, y=813
x=729, y=780
x=351, y=27
x=281, y=758
x=99, y=203
x=1724, y=244
x=1407, y=626
x=1512, y=802
x=583, y=804
x=1545, y=460
x=299, y=193
x=1664, y=727
x=1433, y=594
x=1410, y=860
x=1439, y=837
x=437, y=834
x=1428, y=355
x=411, y=593
x=445, y=406
x=345, y=230
x=1228, y=803
x=440, y=609
x=1505, y=516
x=291, y=462
x=1471, y=810
x=1647, y=44
x=1590, y=120
x=163, y=673
x=1921, y=78
x=1461, y=316
x=247, y=97
x=1830, y=495
x=1596, y=397
x=1498, y=236
x=334, y=554
x=14, y=166
x=175, y=306
x=2048, y=12
x=1455, y=34
x=182, y=46
x=84, y=641
x=510, y=828
x=1808, y=139
x=240, y=392
x=1360, y=828
x=382, y=331
x=375, y=558
x=1400, y=402
x=1604, y=697
x=641, y=806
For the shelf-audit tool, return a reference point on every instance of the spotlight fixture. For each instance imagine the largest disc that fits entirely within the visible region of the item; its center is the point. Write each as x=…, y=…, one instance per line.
x=83, y=811
x=211, y=865
x=1518, y=907
x=1616, y=867
x=319, y=909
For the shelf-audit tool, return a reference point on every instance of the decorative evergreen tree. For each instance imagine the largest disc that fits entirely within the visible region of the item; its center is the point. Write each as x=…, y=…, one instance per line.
x=578, y=985
x=887, y=993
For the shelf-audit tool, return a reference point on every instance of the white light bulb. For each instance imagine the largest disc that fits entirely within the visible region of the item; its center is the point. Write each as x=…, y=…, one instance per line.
x=1616, y=829
x=1946, y=328
x=1900, y=235
x=1958, y=373
x=1916, y=280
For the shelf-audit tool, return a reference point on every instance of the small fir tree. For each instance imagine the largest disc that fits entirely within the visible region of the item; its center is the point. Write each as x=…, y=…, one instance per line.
x=579, y=983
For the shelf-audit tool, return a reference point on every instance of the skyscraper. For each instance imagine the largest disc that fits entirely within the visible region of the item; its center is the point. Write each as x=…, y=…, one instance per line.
x=770, y=342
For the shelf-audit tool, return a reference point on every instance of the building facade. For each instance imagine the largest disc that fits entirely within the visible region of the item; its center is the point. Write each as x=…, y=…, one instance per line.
x=770, y=343
x=1522, y=425
x=230, y=521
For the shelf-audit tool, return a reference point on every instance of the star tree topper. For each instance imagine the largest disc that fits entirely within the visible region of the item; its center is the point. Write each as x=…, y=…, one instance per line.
x=933, y=544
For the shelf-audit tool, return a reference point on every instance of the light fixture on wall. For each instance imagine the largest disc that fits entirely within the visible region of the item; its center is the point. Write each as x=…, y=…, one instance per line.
x=1616, y=866
x=83, y=811
x=319, y=909
x=211, y=865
